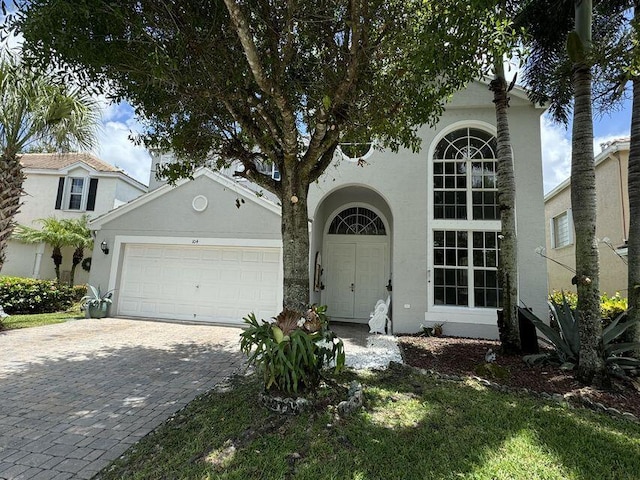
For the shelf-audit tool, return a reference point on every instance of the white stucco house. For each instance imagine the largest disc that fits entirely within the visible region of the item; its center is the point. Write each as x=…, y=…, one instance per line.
x=424, y=226
x=65, y=186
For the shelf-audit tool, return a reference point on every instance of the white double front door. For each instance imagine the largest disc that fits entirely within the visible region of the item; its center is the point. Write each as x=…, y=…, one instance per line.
x=355, y=275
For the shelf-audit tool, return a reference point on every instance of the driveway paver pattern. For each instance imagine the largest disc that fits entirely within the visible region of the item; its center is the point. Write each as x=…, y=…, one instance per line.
x=74, y=396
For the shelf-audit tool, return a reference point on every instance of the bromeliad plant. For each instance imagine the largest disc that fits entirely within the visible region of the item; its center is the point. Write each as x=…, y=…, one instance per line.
x=566, y=340
x=292, y=350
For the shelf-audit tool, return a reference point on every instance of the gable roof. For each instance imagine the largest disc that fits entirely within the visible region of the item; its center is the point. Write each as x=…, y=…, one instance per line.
x=56, y=161
x=240, y=188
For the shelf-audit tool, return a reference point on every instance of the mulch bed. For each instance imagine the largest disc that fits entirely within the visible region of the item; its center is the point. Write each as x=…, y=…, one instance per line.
x=462, y=356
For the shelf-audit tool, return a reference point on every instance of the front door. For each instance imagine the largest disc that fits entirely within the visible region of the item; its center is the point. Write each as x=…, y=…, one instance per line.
x=355, y=278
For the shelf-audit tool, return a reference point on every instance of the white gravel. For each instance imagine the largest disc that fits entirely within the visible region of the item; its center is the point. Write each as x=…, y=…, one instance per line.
x=380, y=350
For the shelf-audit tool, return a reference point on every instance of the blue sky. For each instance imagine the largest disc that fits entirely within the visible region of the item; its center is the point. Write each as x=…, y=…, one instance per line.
x=556, y=142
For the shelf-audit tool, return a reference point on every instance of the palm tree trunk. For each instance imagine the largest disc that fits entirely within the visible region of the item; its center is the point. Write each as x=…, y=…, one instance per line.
x=11, y=179
x=78, y=255
x=508, y=261
x=295, y=240
x=591, y=366
x=56, y=256
x=633, y=184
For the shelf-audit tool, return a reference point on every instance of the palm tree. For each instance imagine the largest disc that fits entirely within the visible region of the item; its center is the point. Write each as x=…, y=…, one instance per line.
x=80, y=239
x=54, y=232
x=560, y=68
x=35, y=110
x=508, y=261
x=633, y=185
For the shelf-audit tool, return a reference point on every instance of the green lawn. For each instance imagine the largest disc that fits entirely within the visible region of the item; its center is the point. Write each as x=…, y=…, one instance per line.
x=412, y=427
x=25, y=321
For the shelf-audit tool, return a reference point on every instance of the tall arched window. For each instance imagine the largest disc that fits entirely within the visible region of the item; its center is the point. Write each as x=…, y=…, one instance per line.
x=464, y=192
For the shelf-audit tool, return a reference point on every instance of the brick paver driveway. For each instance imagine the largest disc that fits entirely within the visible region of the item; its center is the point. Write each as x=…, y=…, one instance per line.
x=76, y=395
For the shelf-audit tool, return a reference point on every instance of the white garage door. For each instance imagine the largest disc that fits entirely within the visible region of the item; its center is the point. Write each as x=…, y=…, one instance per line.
x=199, y=283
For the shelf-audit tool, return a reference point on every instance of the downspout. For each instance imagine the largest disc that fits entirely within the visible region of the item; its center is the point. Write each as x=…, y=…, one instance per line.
x=624, y=214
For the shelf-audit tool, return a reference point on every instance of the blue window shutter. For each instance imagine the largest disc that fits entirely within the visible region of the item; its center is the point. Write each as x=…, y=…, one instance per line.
x=91, y=199
x=60, y=193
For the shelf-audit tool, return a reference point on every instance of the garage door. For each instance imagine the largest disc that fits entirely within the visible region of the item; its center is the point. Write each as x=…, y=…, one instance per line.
x=200, y=283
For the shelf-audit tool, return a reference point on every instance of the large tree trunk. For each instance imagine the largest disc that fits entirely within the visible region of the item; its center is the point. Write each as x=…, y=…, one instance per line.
x=11, y=179
x=633, y=182
x=508, y=256
x=295, y=240
x=591, y=366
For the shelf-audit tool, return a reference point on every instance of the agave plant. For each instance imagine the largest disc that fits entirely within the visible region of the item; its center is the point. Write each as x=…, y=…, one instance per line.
x=292, y=350
x=566, y=341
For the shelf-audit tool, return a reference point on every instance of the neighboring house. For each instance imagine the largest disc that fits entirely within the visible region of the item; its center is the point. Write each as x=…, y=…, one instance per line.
x=424, y=225
x=65, y=186
x=612, y=224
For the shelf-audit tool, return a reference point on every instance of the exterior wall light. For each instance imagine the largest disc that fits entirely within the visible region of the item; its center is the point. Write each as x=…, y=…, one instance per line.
x=104, y=247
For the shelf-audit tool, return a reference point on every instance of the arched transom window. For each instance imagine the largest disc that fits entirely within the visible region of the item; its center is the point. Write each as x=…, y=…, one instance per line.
x=464, y=176
x=357, y=221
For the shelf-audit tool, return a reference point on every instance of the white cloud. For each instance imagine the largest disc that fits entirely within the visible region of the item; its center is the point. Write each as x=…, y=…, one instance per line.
x=115, y=145
x=598, y=141
x=556, y=153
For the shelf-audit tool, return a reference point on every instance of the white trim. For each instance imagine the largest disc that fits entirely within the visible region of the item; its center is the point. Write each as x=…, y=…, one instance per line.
x=552, y=228
x=98, y=222
x=464, y=315
x=66, y=196
x=200, y=203
x=367, y=155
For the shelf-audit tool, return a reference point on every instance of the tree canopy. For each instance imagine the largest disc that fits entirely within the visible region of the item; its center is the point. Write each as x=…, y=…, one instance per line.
x=266, y=81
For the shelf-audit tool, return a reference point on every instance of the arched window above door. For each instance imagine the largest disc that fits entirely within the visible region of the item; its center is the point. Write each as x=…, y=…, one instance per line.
x=357, y=221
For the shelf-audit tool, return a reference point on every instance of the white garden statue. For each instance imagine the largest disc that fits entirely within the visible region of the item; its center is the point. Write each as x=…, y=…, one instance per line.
x=379, y=318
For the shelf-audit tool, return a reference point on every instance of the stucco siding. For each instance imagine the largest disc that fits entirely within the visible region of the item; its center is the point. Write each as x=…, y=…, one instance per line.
x=612, y=223
x=402, y=180
x=173, y=216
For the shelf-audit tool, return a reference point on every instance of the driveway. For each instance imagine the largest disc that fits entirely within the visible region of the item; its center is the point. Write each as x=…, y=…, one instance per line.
x=76, y=395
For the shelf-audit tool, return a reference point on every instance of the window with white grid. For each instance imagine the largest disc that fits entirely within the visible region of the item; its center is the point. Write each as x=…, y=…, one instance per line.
x=457, y=280
x=465, y=176
x=562, y=230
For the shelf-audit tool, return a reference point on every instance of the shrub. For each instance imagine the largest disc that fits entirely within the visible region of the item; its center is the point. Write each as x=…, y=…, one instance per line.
x=30, y=295
x=291, y=351
x=566, y=341
x=611, y=307
x=79, y=291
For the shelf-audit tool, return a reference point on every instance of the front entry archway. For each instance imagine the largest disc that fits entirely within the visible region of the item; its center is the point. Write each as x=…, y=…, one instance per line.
x=356, y=262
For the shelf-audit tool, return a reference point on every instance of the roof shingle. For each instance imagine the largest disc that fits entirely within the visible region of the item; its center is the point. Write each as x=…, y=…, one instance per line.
x=56, y=161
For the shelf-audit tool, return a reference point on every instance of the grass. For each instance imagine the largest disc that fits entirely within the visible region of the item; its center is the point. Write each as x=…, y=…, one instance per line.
x=412, y=427
x=13, y=322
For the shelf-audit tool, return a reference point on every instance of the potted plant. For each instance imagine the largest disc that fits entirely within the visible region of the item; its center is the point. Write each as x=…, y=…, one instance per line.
x=95, y=304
